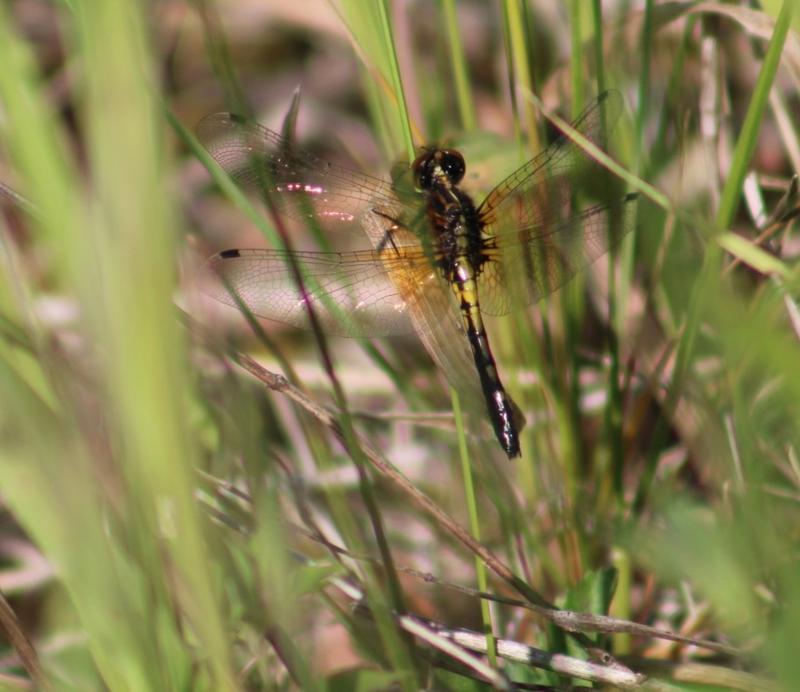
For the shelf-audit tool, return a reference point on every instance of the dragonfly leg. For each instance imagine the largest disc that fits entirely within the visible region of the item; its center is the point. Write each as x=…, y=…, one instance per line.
x=389, y=233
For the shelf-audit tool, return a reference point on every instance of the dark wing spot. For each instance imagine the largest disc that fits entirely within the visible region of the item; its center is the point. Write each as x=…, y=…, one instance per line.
x=229, y=254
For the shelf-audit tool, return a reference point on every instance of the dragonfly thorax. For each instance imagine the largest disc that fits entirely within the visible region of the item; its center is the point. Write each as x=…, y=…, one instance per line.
x=438, y=167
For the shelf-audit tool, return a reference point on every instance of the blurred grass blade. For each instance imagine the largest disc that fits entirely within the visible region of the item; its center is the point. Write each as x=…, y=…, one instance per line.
x=746, y=141
x=601, y=157
x=752, y=255
x=126, y=236
x=370, y=26
x=474, y=524
x=458, y=62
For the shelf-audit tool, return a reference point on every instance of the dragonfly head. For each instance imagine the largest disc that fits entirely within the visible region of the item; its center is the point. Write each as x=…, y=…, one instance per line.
x=438, y=166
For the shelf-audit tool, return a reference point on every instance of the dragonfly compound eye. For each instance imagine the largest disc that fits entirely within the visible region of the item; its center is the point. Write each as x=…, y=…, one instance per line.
x=423, y=168
x=433, y=165
x=452, y=163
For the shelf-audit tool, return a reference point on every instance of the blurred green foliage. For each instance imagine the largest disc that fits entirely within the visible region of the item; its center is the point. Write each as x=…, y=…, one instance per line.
x=200, y=531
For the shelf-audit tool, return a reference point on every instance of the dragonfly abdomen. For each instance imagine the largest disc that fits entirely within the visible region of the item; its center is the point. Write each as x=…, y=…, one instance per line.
x=498, y=403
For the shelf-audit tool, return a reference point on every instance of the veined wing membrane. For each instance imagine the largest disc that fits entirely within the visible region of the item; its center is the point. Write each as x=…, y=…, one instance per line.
x=537, y=240
x=299, y=184
x=368, y=303
x=529, y=263
x=378, y=293
x=539, y=191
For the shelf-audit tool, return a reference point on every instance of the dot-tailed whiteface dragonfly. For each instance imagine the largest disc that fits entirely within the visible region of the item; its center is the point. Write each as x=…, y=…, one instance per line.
x=438, y=261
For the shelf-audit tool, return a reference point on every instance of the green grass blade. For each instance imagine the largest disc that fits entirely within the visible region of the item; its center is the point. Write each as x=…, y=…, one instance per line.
x=643, y=98
x=602, y=158
x=576, y=56
x=145, y=364
x=599, y=59
x=474, y=524
x=458, y=63
x=746, y=141
x=520, y=68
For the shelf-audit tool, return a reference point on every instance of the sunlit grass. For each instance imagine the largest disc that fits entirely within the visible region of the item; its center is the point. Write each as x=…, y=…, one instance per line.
x=214, y=526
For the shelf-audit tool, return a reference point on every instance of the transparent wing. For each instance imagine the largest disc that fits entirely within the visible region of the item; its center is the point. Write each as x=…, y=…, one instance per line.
x=299, y=184
x=539, y=192
x=527, y=264
x=375, y=293
x=352, y=293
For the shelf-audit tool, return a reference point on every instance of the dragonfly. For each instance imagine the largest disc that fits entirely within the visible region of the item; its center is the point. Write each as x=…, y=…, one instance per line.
x=439, y=262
